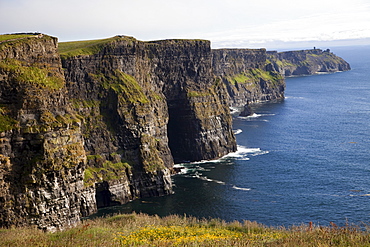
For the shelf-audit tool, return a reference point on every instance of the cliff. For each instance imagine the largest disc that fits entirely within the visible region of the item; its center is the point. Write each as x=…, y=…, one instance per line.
x=104, y=129
x=246, y=76
x=305, y=62
x=145, y=104
x=42, y=156
x=98, y=123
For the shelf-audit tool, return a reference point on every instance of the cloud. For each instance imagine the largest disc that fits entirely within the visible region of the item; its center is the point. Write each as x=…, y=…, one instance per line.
x=221, y=21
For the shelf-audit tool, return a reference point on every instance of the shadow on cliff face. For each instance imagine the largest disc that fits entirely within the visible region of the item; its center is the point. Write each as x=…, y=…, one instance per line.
x=179, y=130
x=103, y=195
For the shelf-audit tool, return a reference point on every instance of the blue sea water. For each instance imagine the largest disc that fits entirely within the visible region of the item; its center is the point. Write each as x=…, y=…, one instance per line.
x=305, y=158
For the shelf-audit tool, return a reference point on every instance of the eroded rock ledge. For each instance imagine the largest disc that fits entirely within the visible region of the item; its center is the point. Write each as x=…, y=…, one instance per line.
x=102, y=122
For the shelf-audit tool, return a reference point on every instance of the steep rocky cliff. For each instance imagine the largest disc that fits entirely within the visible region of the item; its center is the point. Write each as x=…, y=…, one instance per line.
x=172, y=87
x=42, y=156
x=305, y=62
x=246, y=77
x=107, y=128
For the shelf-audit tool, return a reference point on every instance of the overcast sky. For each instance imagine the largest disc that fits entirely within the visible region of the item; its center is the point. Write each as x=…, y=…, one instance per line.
x=227, y=23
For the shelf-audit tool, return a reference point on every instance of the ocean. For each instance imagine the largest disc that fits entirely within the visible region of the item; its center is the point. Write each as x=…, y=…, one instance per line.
x=302, y=159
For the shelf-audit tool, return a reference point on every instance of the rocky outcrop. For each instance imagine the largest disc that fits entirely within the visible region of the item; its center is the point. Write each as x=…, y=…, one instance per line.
x=246, y=77
x=305, y=62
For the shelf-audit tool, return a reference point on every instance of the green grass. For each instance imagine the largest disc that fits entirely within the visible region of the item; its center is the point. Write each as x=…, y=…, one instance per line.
x=87, y=47
x=108, y=171
x=32, y=74
x=144, y=230
x=7, y=123
x=253, y=76
x=6, y=37
x=124, y=85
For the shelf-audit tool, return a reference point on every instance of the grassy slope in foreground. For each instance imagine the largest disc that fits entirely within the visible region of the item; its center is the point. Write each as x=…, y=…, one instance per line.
x=144, y=230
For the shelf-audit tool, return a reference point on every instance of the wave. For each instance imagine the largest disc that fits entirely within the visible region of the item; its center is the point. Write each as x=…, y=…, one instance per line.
x=293, y=97
x=255, y=116
x=238, y=131
x=240, y=188
x=234, y=110
x=242, y=153
x=204, y=178
x=360, y=195
x=212, y=180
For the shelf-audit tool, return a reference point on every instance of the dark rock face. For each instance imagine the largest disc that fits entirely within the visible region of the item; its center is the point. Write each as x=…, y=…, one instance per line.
x=247, y=111
x=125, y=123
x=246, y=77
x=306, y=62
x=175, y=110
x=42, y=158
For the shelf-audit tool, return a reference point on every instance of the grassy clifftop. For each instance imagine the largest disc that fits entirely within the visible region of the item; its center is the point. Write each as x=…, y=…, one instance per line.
x=86, y=47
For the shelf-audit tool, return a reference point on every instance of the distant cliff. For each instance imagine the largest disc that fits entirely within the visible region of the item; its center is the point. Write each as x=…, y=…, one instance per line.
x=246, y=77
x=305, y=62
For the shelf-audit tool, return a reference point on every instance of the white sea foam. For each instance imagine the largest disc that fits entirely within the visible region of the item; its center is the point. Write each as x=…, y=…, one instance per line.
x=239, y=188
x=360, y=195
x=255, y=116
x=234, y=110
x=238, y=131
x=242, y=153
x=212, y=180
x=293, y=97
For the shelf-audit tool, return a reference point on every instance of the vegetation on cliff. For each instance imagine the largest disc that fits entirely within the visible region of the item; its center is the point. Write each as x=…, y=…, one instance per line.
x=9, y=37
x=144, y=230
x=38, y=74
x=6, y=122
x=107, y=172
x=253, y=76
x=87, y=47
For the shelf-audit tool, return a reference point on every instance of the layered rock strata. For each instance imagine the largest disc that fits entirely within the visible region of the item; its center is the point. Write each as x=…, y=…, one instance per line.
x=246, y=77
x=42, y=155
x=107, y=128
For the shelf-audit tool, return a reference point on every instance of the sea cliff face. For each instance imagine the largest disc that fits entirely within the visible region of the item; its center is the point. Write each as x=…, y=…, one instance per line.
x=42, y=156
x=246, y=77
x=305, y=62
x=145, y=105
x=104, y=129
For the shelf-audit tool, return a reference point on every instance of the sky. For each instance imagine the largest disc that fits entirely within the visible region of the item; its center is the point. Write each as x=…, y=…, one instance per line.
x=227, y=23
